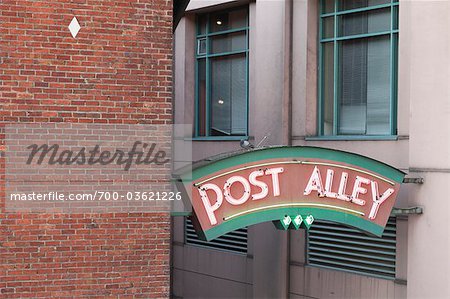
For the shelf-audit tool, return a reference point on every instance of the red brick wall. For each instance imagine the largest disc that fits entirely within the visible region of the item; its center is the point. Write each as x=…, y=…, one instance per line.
x=117, y=70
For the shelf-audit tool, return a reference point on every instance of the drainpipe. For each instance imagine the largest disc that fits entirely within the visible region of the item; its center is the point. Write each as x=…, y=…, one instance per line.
x=286, y=112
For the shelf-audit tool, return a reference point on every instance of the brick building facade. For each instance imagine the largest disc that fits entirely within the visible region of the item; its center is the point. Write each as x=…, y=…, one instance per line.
x=118, y=69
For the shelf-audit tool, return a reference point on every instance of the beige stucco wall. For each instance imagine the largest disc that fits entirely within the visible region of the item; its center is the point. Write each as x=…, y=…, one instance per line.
x=427, y=42
x=422, y=149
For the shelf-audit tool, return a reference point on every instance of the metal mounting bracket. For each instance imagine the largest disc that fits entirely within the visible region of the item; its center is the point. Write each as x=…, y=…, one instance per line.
x=413, y=180
x=407, y=211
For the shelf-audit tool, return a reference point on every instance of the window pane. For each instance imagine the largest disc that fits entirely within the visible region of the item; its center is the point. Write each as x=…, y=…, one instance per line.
x=328, y=87
x=228, y=96
x=365, y=22
x=228, y=42
x=328, y=27
x=201, y=24
x=228, y=20
x=327, y=6
x=353, y=86
x=201, y=81
x=352, y=4
x=201, y=46
x=378, y=86
x=365, y=86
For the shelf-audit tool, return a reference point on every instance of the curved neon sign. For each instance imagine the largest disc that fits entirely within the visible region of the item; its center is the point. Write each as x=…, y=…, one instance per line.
x=291, y=185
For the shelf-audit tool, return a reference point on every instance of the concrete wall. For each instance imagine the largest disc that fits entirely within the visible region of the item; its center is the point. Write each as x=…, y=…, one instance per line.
x=422, y=149
x=428, y=41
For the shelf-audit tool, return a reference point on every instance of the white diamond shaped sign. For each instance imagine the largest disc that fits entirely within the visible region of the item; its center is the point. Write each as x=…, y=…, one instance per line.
x=287, y=220
x=74, y=27
x=297, y=221
x=309, y=219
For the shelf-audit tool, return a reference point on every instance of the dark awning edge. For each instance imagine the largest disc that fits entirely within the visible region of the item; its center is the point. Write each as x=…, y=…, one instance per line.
x=179, y=6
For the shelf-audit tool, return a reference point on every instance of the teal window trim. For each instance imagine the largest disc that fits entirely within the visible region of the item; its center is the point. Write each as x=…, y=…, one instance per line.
x=223, y=54
x=218, y=138
x=393, y=33
x=208, y=36
x=356, y=10
x=199, y=36
x=352, y=137
x=356, y=36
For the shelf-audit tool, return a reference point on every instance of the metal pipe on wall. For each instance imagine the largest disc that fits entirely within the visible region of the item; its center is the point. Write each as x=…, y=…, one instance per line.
x=287, y=74
x=287, y=107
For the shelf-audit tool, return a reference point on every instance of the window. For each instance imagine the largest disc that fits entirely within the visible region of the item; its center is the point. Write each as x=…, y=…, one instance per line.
x=338, y=247
x=358, y=67
x=235, y=241
x=221, y=74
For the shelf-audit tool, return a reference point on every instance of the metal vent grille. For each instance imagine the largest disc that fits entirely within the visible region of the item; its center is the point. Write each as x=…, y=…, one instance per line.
x=235, y=241
x=338, y=247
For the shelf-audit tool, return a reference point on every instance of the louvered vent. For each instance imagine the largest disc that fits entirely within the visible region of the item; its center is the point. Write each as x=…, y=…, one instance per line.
x=338, y=247
x=235, y=241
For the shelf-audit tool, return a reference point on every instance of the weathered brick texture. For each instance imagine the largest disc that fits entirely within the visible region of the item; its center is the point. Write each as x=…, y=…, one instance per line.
x=117, y=70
